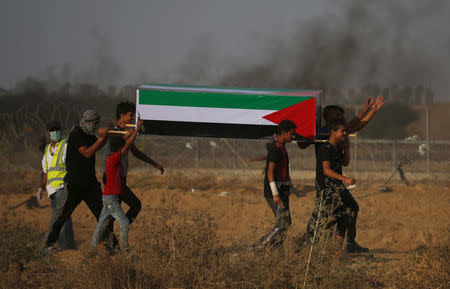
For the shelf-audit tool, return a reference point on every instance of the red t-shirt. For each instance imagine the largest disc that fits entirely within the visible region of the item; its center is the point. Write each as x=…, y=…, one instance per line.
x=114, y=175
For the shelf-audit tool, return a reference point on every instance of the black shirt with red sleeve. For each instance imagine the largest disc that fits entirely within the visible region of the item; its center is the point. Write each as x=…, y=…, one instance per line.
x=276, y=153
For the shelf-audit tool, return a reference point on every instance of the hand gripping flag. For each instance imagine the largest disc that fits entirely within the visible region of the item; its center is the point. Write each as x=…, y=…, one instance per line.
x=226, y=112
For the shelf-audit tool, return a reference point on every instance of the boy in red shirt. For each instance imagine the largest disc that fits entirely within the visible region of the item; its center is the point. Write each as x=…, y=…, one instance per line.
x=114, y=188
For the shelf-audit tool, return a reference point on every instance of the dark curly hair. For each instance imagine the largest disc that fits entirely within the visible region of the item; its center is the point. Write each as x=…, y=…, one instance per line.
x=124, y=108
x=285, y=126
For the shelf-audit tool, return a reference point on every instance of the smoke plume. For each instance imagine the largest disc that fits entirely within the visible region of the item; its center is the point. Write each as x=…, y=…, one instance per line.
x=396, y=48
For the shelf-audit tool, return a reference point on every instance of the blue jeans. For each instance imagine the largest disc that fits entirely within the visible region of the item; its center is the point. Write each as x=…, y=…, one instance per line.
x=65, y=238
x=112, y=209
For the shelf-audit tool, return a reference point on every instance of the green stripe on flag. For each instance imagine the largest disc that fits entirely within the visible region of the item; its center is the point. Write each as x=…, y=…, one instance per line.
x=218, y=100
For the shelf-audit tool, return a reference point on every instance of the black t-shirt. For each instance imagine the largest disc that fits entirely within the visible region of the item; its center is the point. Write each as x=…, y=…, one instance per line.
x=80, y=170
x=324, y=134
x=276, y=153
x=327, y=152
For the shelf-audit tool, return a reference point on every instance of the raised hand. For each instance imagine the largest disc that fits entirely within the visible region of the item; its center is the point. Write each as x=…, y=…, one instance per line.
x=369, y=103
x=138, y=124
x=379, y=102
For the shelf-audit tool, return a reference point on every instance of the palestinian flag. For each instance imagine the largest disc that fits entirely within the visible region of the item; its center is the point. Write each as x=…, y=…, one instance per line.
x=225, y=112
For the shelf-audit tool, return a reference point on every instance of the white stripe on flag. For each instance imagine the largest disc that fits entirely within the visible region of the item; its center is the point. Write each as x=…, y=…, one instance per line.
x=204, y=114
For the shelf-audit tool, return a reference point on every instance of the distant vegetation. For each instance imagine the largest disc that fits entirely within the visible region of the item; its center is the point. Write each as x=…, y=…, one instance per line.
x=25, y=110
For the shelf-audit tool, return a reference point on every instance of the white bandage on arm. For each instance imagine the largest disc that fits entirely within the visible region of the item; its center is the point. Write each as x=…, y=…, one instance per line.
x=273, y=187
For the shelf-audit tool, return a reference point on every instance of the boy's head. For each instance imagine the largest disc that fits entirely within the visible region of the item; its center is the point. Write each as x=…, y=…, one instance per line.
x=338, y=130
x=116, y=143
x=125, y=111
x=332, y=112
x=286, y=130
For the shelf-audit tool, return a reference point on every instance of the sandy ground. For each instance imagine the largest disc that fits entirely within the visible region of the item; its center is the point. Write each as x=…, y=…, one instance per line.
x=398, y=221
x=391, y=223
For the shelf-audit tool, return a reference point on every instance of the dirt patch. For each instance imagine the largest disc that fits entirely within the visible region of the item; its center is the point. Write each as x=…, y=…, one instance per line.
x=189, y=230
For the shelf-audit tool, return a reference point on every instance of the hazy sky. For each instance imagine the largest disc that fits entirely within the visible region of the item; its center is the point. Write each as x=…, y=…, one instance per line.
x=120, y=42
x=142, y=36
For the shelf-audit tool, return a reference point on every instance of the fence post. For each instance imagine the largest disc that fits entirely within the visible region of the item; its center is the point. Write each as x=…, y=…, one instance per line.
x=197, y=153
x=213, y=157
x=394, y=154
x=355, y=156
x=427, y=132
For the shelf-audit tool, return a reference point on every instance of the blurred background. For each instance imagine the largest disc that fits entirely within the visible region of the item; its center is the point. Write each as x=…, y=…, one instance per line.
x=58, y=59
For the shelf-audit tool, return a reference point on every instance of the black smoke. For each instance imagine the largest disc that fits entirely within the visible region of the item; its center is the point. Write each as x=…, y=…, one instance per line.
x=359, y=48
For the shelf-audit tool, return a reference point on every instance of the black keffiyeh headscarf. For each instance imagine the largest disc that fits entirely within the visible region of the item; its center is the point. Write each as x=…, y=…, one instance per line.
x=90, y=121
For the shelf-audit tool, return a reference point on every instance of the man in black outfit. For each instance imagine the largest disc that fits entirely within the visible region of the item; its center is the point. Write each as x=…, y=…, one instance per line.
x=335, y=204
x=80, y=182
x=277, y=184
x=333, y=113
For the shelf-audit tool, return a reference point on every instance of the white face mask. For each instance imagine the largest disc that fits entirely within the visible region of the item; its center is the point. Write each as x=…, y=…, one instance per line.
x=55, y=135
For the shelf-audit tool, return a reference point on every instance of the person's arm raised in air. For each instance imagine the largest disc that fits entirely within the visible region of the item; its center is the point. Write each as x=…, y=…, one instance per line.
x=376, y=106
x=130, y=139
x=88, y=152
x=355, y=121
x=332, y=174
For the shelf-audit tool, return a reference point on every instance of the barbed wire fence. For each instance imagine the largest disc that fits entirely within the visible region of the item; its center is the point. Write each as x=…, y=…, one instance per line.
x=19, y=132
x=367, y=155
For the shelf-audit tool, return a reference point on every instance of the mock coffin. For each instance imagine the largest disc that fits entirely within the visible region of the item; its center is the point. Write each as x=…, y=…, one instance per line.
x=221, y=112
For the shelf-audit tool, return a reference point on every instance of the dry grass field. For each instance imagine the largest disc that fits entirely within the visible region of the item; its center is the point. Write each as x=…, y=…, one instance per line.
x=195, y=226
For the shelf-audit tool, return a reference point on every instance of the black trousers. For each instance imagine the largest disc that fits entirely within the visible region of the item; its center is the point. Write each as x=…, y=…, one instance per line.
x=132, y=201
x=278, y=234
x=340, y=208
x=73, y=195
x=347, y=219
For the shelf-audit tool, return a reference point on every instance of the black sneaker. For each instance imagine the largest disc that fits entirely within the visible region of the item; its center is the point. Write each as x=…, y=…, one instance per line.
x=353, y=247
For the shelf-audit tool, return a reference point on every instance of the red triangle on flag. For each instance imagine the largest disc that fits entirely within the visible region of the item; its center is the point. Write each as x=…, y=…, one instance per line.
x=303, y=114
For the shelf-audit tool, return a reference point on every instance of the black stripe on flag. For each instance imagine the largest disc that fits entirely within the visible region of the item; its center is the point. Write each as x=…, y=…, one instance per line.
x=202, y=129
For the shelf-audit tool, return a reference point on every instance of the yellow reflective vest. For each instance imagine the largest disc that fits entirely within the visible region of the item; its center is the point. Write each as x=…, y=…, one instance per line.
x=57, y=169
